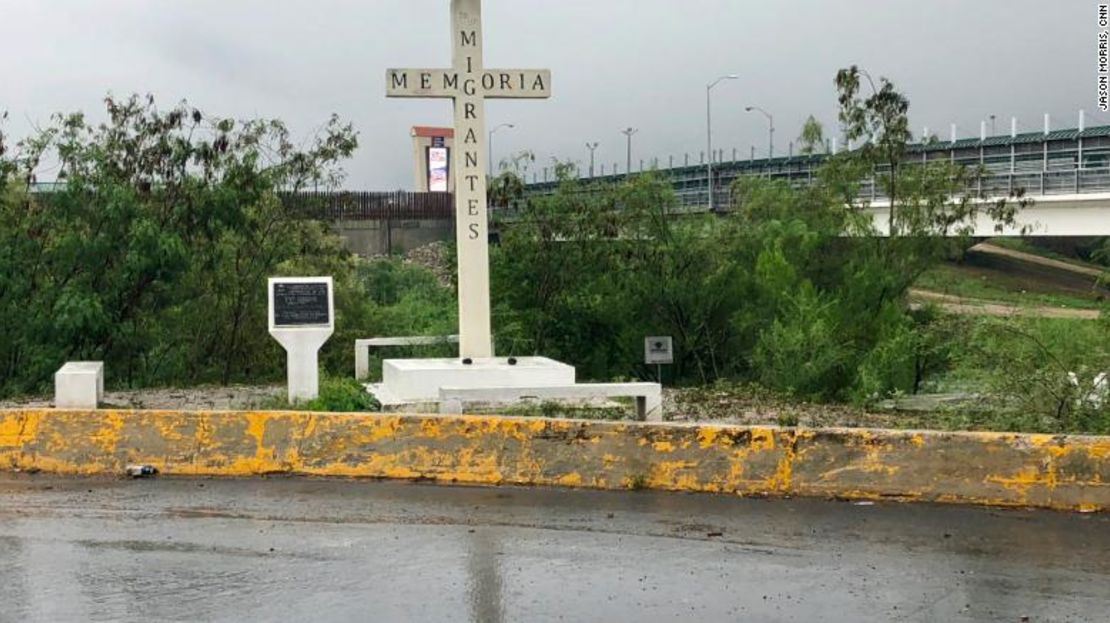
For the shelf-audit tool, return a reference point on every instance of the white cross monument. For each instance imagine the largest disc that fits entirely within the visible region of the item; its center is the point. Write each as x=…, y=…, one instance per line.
x=469, y=84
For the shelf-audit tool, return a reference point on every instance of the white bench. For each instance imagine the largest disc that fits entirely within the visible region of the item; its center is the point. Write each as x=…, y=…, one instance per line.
x=362, y=348
x=649, y=396
x=79, y=385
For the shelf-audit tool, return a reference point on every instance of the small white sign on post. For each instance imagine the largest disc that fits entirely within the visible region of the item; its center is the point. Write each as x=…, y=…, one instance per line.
x=302, y=318
x=658, y=350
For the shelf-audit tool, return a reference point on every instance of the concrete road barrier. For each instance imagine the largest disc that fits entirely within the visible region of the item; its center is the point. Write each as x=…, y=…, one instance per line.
x=1062, y=472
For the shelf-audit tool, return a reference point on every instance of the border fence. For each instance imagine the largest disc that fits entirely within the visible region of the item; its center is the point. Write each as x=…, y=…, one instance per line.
x=370, y=206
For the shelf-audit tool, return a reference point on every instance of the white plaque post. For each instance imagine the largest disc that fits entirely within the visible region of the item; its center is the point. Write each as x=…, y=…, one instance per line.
x=468, y=83
x=302, y=318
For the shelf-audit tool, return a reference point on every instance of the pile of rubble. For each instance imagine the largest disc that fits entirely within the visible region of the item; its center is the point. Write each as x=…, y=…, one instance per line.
x=436, y=257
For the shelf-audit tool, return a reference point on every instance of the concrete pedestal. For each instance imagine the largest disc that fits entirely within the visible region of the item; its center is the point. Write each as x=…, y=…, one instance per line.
x=419, y=380
x=302, y=347
x=302, y=318
x=79, y=385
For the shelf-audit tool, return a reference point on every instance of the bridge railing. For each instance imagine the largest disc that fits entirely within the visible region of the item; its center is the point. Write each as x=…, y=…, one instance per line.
x=386, y=206
x=1032, y=183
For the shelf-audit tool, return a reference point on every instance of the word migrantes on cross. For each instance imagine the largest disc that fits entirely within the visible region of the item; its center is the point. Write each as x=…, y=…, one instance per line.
x=468, y=83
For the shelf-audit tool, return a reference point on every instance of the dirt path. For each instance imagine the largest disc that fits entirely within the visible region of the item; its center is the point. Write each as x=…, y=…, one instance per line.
x=977, y=307
x=986, y=247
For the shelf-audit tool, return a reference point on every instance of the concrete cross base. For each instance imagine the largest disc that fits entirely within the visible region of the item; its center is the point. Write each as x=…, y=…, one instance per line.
x=362, y=348
x=419, y=380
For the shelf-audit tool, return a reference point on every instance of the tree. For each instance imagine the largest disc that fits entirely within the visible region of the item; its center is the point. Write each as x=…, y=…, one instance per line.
x=812, y=138
x=153, y=253
x=507, y=188
x=840, y=325
x=931, y=199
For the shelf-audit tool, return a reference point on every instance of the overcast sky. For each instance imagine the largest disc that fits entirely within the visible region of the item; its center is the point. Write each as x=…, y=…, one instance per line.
x=615, y=63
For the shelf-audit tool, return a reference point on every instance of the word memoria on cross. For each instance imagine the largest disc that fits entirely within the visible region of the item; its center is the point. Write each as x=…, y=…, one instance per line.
x=469, y=84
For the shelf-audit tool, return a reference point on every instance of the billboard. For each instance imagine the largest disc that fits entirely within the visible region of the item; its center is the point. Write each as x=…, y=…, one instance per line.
x=437, y=169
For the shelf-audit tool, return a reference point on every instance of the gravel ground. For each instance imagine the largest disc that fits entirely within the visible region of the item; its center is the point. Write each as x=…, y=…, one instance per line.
x=730, y=405
x=196, y=398
x=723, y=405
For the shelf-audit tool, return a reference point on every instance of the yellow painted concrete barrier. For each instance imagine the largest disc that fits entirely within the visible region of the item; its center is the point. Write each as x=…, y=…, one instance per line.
x=1063, y=472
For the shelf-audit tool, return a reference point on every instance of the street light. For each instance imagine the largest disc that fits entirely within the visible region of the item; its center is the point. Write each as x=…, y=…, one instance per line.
x=770, y=131
x=709, y=133
x=489, y=144
x=628, y=133
x=592, y=147
x=992, y=125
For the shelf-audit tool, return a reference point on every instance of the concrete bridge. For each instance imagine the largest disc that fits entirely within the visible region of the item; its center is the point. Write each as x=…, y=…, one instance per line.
x=1050, y=216
x=1066, y=173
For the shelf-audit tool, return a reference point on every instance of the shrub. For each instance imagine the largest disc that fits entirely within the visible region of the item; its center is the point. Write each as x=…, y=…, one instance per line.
x=1025, y=368
x=343, y=395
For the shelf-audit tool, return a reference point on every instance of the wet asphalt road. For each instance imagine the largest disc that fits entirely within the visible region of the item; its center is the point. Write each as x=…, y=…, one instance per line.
x=319, y=550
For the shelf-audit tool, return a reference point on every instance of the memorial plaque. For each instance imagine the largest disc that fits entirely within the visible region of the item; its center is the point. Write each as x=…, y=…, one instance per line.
x=301, y=305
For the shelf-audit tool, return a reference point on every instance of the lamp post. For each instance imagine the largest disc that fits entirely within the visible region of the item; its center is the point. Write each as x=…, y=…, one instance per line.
x=709, y=133
x=770, y=131
x=992, y=125
x=490, y=145
x=592, y=147
x=628, y=133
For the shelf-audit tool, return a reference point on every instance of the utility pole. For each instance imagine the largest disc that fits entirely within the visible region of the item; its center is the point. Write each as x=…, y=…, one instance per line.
x=489, y=145
x=628, y=133
x=709, y=133
x=592, y=147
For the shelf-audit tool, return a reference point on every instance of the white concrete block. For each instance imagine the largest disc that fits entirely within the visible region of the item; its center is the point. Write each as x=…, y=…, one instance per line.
x=420, y=379
x=79, y=385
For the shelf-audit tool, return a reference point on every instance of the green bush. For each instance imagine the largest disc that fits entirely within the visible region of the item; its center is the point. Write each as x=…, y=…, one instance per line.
x=802, y=352
x=342, y=395
x=1024, y=365
x=387, y=297
x=910, y=353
